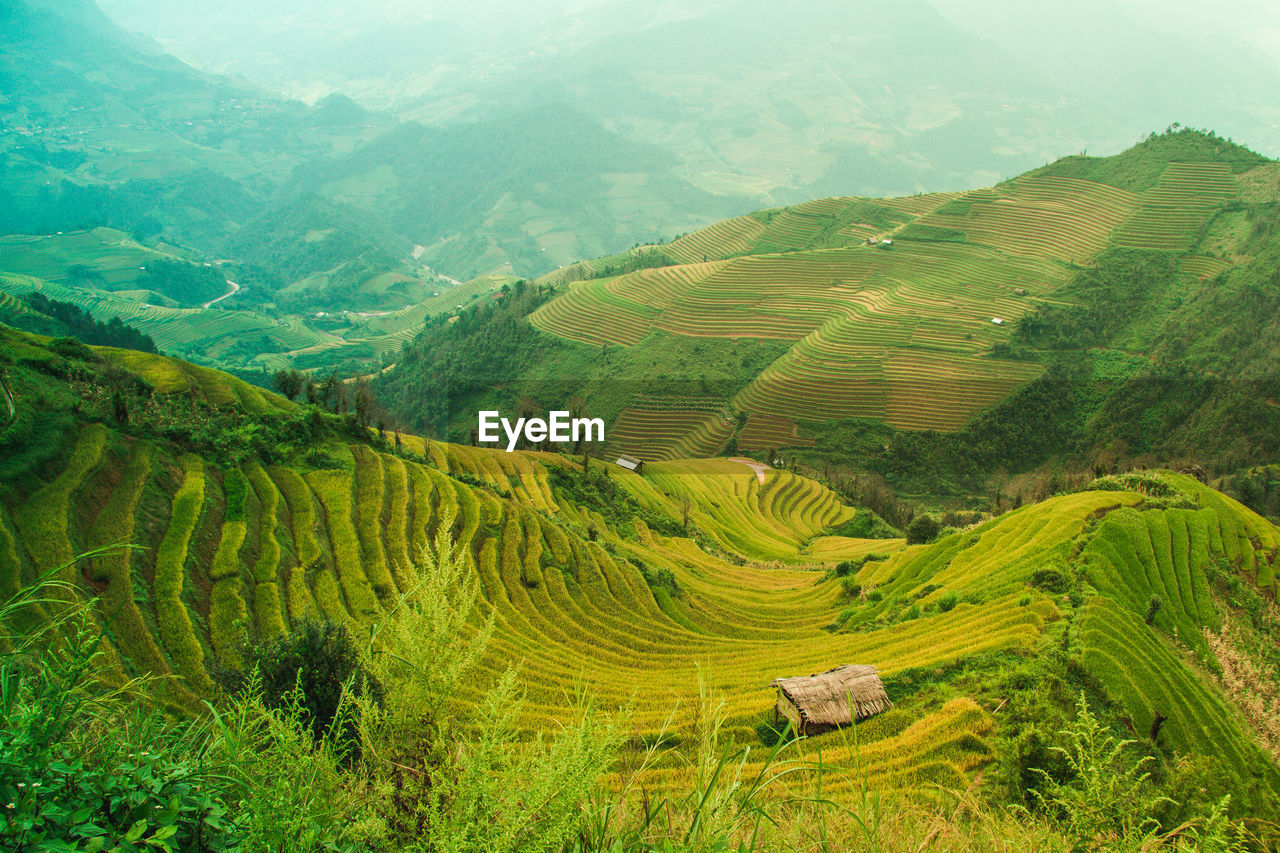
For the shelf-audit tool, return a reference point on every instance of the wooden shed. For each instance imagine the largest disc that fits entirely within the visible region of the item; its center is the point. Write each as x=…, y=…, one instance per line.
x=631, y=463
x=834, y=698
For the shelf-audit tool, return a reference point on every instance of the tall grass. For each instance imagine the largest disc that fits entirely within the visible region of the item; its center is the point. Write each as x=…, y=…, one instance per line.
x=94, y=765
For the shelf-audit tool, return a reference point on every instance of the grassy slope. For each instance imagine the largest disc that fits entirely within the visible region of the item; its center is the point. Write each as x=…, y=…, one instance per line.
x=244, y=549
x=806, y=327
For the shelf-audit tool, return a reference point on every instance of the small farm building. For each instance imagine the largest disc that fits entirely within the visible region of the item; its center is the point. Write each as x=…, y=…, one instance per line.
x=830, y=699
x=631, y=463
x=997, y=321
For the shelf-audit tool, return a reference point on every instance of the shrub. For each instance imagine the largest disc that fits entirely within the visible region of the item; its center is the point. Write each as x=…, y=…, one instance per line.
x=948, y=602
x=1110, y=794
x=321, y=662
x=922, y=530
x=1050, y=580
x=88, y=766
x=1153, y=607
x=852, y=567
x=663, y=579
x=71, y=348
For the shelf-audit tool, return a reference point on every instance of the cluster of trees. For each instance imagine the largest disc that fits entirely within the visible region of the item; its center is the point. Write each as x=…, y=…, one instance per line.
x=71, y=320
x=337, y=395
x=452, y=366
x=183, y=282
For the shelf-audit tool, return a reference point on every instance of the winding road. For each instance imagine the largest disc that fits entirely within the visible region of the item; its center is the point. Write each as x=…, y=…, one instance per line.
x=235, y=288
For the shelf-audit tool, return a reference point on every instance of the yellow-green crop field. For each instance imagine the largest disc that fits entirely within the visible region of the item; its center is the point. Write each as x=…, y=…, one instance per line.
x=892, y=307
x=231, y=553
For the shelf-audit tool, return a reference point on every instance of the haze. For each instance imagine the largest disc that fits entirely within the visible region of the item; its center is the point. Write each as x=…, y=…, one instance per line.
x=1142, y=63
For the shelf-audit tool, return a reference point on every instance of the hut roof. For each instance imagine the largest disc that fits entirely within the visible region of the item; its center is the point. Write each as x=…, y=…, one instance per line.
x=630, y=462
x=827, y=698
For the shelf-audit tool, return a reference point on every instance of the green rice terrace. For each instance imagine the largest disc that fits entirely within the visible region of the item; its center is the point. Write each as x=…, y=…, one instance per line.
x=901, y=311
x=643, y=590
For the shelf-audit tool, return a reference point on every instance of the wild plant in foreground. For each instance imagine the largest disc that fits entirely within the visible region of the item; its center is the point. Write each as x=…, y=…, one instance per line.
x=453, y=775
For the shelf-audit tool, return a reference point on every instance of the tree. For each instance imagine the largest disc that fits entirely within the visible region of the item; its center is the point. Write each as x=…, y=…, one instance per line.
x=922, y=530
x=290, y=383
x=364, y=402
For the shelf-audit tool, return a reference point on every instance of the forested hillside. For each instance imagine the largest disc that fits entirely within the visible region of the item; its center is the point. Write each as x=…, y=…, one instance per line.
x=1116, y=305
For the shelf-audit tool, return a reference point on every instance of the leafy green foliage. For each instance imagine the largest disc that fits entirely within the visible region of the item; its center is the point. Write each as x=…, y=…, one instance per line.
x=70, y=320
x=90, y=767
x=865, y=524
x=597, y=490
x=663, y=579
x=1110, y=798
x=183, y=282
x=922, y=530
x=317, y=666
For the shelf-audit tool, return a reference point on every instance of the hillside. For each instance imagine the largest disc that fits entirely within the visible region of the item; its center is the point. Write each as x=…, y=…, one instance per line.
x=255, y=515
x=117, y=160
x=877, y=327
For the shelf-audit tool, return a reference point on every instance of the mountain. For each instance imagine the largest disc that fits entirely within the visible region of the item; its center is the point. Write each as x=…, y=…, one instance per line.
x=256, y=514
x=102, y=128
x=1147, y=64
x=823, y=97
x=884, y=331
x=774, y=106
x=306, y=236
x=520, y=194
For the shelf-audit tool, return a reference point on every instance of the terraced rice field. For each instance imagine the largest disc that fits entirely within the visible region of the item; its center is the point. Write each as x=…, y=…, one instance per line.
x=1064, y=219
x=770, y=432
x=1174, y=212
x=1166, y=553
x=893, y=334
x=236, y=552
x=671, y=429
x=723, y=240
x=1203, y=266
x=775, y=519
x=111, y=255
x=899, y=332
x=883, y=357
x=1148, y=676
x=343, y=538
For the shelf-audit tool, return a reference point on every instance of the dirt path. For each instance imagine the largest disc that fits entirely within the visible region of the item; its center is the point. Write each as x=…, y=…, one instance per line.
x=758, y=467
x=235, y=288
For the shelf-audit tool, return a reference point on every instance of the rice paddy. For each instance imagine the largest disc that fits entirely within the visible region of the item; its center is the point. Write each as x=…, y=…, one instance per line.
x=892, y=308
x=237, y=552
x=1174, y=212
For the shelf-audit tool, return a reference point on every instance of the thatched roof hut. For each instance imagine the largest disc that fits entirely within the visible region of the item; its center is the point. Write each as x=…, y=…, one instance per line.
x=830, y=699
